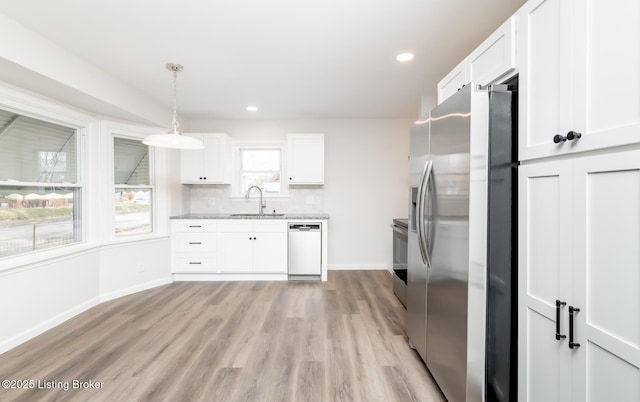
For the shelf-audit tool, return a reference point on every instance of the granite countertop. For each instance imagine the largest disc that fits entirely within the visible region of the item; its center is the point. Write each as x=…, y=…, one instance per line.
x=306, y=216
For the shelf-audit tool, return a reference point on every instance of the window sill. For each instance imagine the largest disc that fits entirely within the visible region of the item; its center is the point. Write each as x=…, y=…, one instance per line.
x=11, y=264
x=135, y=239
x=23, y=262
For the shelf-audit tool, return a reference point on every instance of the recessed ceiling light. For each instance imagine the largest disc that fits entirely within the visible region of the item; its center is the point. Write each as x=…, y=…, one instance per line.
x=252, y=108
x=404, y=57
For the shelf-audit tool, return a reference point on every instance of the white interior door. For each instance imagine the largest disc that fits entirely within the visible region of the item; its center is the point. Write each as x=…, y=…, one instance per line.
x=544, y=277
x=607, y=277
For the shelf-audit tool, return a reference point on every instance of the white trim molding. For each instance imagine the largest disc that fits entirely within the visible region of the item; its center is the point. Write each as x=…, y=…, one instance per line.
x=358, y=267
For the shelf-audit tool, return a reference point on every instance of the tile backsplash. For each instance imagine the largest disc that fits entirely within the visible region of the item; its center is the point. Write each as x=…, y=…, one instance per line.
x=213, y=199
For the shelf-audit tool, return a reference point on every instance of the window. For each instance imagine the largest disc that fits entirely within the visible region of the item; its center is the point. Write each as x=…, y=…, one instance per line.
x=260, y=167
x=133, y=192
x=40, y=194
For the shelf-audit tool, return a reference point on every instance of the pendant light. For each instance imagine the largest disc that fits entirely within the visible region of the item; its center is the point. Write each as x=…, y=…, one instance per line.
x=173, y=139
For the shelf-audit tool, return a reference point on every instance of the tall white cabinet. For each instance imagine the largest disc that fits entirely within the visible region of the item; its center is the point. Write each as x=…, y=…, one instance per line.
x=579, y=201
x=579, y=72
x=580, y=249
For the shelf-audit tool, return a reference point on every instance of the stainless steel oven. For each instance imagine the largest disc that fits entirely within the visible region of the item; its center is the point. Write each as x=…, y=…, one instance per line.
x=400, y=231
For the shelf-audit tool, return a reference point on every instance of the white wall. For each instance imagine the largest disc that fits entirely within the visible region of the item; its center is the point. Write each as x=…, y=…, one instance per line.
x=366, y=178
x=43, y=289
x=132, y=267
x=39, y=296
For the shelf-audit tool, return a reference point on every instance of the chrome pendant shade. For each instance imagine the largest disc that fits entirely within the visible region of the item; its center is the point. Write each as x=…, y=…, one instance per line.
x=173, y=139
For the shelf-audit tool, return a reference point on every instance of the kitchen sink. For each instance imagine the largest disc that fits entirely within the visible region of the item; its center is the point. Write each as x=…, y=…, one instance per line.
x=257, y=215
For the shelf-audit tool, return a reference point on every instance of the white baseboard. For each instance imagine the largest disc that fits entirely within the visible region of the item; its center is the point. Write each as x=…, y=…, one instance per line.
x=62, y=317
x=47, y=325
x=135, y=289
x=357, y=267
x=229, y=277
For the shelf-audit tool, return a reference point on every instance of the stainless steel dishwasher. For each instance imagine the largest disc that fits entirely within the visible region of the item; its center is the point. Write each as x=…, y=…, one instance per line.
x=305, y=257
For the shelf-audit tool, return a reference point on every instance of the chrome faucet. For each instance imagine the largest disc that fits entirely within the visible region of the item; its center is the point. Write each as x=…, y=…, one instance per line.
x=262, y=204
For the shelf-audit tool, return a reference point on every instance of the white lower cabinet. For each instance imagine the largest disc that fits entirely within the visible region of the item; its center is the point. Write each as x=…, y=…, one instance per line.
x=253, y=246
x=579, y=279
x=194, y=244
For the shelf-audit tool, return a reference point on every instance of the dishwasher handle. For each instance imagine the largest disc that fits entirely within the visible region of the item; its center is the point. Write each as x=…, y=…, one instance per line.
x=297, y=227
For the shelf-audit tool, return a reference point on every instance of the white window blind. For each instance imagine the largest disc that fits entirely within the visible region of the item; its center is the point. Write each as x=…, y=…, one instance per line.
x=35, y=151
x=131, y=162
x=133, y=189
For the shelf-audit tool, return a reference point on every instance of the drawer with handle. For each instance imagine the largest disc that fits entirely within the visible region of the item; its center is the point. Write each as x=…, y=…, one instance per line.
x=201, y=243
x=195, y=225
x=196, y=263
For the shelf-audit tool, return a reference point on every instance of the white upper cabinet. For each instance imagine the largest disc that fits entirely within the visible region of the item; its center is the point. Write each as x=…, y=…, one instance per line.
x=579, y=76
x=210, y=165
x=491, y=62
x=454, y=81
x=305, y=158
x=495, y=58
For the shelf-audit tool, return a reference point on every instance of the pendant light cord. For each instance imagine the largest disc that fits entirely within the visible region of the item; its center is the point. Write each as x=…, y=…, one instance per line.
x=175, y=123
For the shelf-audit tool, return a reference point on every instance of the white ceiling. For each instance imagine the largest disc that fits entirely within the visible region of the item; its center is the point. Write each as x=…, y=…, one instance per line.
x=291, y=58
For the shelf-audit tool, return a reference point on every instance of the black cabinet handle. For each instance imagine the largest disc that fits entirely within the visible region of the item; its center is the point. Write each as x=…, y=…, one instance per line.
x=572, y=135
x=195, y=242
x=195, y=263
x=572, y=344
x=195, y=226
x=558, y=305
x=558, y=138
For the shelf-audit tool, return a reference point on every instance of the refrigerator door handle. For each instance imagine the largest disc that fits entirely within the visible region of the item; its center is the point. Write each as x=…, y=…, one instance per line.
x=431, y=194
x=423, y=194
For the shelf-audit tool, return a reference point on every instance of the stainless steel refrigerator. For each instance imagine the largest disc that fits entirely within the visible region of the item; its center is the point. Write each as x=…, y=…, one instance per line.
x=462, y=243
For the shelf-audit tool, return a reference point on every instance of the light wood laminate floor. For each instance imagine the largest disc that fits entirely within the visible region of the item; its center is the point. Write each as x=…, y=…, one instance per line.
x=342, y=340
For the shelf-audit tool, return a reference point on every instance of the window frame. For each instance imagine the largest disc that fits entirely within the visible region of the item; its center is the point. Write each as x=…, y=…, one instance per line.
x=151, y=187
x=81, y=126
x=236, y=162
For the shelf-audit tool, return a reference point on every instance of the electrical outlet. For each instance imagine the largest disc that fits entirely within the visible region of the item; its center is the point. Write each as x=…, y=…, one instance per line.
x=212, y=202
x=140, y=267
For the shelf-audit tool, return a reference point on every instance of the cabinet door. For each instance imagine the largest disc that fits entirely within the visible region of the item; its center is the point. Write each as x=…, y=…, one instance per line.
x=306, y=158
x=544, y=276
x=605, y=73
x=606, y=251
x=495, y=58
x=215, y=159
x=270, y=253
x=452, y=82
x=191, y=164
x=209, y=165
x=236, y=252
x=544, y=52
